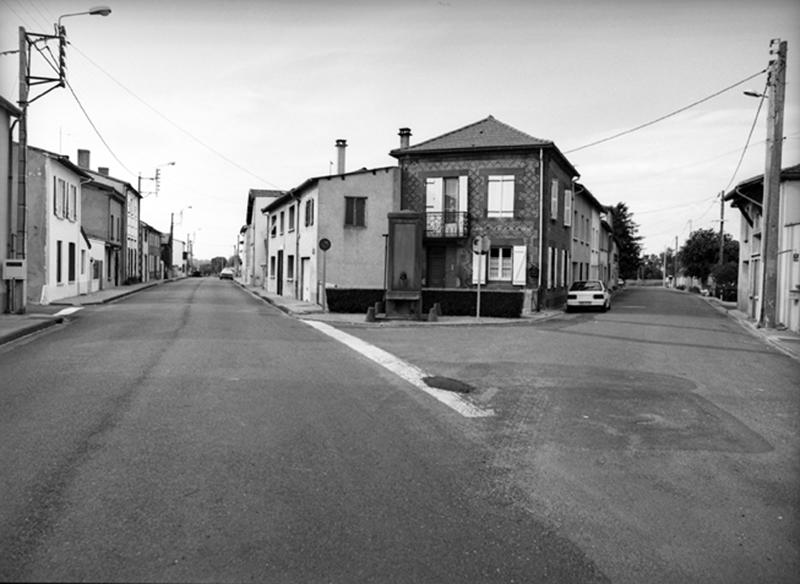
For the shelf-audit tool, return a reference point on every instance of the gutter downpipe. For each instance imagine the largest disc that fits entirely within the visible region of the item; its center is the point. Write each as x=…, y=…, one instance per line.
x=541, y=225
x=10, y=248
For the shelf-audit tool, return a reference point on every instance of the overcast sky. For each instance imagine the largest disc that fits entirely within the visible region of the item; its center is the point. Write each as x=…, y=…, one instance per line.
x=254, y=94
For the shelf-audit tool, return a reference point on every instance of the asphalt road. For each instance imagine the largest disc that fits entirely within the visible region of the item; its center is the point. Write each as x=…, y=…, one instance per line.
x=661, y=437
x=194, y=433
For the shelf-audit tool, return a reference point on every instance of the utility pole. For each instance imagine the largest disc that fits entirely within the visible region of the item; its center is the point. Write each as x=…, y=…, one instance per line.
x=776, y=86
x=675, y=264
x=721, y=259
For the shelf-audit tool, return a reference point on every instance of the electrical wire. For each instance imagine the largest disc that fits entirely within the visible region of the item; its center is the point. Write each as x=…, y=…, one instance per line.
x=94, y=127
x=749, y=136
x=664, y=117
x=175, y=125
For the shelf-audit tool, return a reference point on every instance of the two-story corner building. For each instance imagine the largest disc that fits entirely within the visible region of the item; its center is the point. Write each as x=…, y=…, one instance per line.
x=8, y=193
x=254, y=267
x=349, y=210
x=586, y=236
x=123, y=259
x=490, y=179
x=57, y=247
x=748, y=197
x=150, y=260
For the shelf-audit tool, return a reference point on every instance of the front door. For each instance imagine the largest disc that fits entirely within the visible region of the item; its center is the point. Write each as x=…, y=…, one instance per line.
x=305, y=279
x=279, y=275
x=436, y=267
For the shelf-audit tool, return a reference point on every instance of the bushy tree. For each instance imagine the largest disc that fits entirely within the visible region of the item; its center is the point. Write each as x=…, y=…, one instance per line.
x=218, y=263
x=700, y=254
x=651, y=267
x=628, y=241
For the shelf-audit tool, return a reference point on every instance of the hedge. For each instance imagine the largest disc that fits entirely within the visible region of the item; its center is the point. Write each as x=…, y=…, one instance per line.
x=456, y=302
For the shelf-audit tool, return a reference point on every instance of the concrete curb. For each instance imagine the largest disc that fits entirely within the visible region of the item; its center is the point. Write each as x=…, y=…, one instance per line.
x=26, y=330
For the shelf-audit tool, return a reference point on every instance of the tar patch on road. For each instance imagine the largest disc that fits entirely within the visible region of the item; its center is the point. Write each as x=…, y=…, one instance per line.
x=448, y=384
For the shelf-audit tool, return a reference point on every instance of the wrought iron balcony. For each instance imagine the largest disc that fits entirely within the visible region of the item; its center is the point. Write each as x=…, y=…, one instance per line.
x=446, y=225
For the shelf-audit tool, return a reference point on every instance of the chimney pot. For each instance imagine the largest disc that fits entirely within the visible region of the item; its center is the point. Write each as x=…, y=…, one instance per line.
x=83, y=158
x=405, y=137
x=102, y=170
x=341, y=144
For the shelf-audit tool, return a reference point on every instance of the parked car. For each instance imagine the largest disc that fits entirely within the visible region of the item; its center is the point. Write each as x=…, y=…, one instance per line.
x=588, y=294
x=226, y=274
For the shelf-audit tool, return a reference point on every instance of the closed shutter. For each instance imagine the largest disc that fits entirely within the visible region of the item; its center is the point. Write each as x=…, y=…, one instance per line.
x=462, y=194
x=433, y=195
x=519, y=264
x=479, y=267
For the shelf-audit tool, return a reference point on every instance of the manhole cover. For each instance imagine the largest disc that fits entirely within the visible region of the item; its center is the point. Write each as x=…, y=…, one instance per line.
x=447, y=384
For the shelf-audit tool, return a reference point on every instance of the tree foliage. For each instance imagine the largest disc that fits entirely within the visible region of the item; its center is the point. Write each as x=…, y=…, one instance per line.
x=628, y=241
x=700, y=254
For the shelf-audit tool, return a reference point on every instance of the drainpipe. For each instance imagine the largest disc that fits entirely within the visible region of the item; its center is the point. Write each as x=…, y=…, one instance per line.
x=10, y=250
x=541, y=227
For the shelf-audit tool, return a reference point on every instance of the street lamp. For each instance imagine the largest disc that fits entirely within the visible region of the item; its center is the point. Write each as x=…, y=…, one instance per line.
x=156, y=178
x=27, y=41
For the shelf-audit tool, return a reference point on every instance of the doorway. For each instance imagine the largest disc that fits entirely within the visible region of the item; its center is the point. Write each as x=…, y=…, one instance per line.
x=279, y=275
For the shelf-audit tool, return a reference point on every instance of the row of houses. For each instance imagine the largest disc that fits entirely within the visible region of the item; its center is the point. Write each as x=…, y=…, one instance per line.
x=748, y=198
x=76, y=231
x=485, y=179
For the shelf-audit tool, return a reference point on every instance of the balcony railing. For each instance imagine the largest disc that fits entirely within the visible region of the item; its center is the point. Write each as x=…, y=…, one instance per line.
x=446, y=225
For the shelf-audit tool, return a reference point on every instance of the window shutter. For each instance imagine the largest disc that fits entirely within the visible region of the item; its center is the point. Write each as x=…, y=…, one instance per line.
x=554, y=199
x=433, y=194
x=567, y=208
x=520, y=262
x=479, y=262
x=463, y=183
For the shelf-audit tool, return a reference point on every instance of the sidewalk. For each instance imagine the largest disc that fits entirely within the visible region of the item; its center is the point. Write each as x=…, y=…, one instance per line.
x=39, y=317
x=785, y=341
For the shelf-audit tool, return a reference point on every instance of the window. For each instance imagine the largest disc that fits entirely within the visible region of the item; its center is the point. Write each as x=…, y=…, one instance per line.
x=500, y=196
x=554, y=199
x=273, y=230
x=567, y=208
x=111, y=227
x=272, y=266
x=500, y=263
x=83, y=262
x=354, y=211
x=60, y=202
x=290, y=267
x=291, y=218
x=71, y=262
x=309, y=212
x=58, y=261
x=281, y=223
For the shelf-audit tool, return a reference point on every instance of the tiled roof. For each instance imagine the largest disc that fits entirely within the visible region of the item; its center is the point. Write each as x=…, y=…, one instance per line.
x=487, y=133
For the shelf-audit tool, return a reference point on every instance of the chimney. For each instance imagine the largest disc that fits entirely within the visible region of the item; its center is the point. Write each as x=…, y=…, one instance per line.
x=102, y=170
x=83, y=159
x=341, y=144
x=405, y=137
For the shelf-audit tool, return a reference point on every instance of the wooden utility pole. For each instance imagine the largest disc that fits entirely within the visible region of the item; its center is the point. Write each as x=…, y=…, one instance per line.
x=721, y=259
x=770, y=230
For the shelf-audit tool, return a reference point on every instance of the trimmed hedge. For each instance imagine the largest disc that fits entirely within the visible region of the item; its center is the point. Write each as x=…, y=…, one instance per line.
x=456, y=302
x=353, y=300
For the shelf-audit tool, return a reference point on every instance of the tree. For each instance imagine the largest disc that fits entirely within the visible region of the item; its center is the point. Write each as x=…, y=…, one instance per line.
x=700, y=254
x=628, y=241
x=217, y=264
x=651, y=267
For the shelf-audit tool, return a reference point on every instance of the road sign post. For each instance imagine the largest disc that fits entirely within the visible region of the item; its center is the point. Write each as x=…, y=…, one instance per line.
x=324, y=245
x=480, y=247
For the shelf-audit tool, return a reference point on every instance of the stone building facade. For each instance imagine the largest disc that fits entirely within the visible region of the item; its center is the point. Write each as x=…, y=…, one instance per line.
x=490, y=179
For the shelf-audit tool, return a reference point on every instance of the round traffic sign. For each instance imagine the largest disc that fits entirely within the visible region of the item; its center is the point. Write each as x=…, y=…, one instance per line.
x=324, y=244
x=481, y=244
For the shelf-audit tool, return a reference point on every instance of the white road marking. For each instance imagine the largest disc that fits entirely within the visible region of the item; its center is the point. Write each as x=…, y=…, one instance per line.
x=67, y=311
x=414, y=375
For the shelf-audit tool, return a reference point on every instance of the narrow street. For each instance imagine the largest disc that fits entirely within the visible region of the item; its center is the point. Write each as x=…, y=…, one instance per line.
x=660, y=437
x=193, y=433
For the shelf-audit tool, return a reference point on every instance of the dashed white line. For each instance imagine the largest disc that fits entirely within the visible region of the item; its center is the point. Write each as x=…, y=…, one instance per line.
x=414, y=375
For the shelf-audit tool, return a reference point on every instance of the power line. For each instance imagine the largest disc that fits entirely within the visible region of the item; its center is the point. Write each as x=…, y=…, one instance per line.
x=749, y=136
x=664, y=117
x=96, y=131
x=175, y=125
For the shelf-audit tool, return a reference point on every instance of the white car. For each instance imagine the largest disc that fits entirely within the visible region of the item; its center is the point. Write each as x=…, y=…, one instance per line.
x=588, y=294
